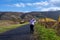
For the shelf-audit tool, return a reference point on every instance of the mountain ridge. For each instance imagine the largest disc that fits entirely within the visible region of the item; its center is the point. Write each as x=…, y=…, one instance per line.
x=49, y=14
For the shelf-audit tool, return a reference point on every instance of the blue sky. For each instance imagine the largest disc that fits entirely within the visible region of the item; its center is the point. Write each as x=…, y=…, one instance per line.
x=29, y=5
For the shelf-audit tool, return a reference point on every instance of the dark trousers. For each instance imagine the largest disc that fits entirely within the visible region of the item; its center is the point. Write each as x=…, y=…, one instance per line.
x=31, y=28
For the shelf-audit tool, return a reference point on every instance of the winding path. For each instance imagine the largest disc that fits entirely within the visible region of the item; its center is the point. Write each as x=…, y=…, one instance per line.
x=20, y=33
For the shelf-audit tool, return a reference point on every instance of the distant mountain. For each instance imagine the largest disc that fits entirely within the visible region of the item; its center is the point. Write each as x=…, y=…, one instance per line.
x=49, y=14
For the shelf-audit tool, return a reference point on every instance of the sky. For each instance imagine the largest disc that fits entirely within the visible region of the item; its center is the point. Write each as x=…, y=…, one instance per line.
x=29, y=5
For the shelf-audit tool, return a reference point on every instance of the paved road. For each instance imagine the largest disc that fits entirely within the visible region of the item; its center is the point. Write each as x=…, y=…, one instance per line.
x=21, y=33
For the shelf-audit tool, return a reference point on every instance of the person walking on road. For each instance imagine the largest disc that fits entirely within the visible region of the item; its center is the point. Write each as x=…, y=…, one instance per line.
x=32, y=22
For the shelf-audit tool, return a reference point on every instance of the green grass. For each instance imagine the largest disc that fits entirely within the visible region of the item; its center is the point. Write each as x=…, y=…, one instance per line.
x=46, y=34
x=7, y=28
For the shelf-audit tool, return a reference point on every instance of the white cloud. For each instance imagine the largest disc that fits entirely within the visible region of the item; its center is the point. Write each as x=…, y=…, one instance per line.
x=26, y=11
x=29, y=4
x=50, y=9
x=55, y=2
x=51, y=5
x=36, y=4
x=19, y=5
x=41, y=3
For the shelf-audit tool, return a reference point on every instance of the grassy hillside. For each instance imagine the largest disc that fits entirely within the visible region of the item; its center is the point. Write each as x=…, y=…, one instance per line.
x=45, y=34
x=8, y=15
x=6, y=25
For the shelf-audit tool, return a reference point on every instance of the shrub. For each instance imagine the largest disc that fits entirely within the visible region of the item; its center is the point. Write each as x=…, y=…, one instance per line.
x=46, y=34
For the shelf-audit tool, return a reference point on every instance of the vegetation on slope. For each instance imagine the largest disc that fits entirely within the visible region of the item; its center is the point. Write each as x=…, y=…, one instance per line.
x=45, y=34
x=6, y=26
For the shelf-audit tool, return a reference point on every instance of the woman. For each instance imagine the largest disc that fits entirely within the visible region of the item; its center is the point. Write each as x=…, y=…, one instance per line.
x=32, y=22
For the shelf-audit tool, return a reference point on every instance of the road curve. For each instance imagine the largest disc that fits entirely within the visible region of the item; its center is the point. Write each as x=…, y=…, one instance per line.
x=20, y=33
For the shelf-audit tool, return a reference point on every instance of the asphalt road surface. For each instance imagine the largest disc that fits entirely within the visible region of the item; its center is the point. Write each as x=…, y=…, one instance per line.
x=20, y=33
